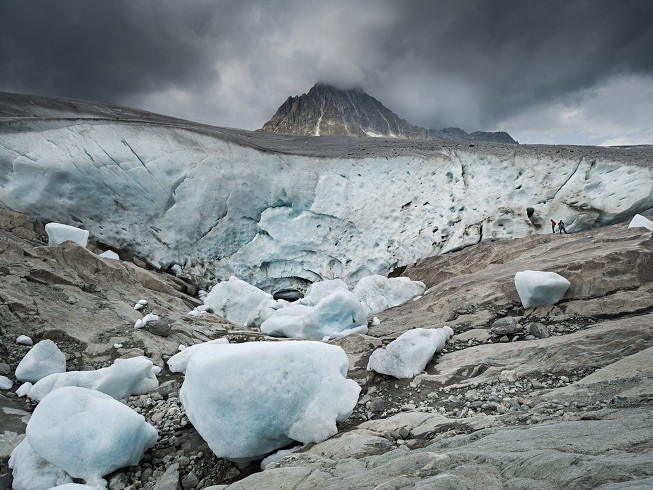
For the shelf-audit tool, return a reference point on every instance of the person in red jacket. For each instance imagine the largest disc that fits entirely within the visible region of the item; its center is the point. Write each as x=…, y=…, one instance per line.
x=553, y=226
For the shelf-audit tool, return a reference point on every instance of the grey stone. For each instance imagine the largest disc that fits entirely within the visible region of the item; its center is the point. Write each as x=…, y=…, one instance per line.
x=118, y=481
x=539, y=330
x=169, y=480
x=378, y=404
x=189, y=481
x=158, y=327
x=4, y=368
x=506, y=326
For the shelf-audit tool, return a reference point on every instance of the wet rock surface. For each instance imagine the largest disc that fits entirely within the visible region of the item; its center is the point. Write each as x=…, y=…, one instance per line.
x=553, y=396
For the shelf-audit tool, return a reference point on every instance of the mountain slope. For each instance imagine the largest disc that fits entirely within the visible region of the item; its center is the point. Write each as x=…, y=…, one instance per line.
x=457, y=134
x=327, y=110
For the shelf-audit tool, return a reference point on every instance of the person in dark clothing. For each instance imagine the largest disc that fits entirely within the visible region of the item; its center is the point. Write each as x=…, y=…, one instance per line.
x=561, y=227
x=553, y=226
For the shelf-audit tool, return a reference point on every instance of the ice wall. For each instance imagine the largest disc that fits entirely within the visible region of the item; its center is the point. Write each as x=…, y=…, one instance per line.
x=281, y=219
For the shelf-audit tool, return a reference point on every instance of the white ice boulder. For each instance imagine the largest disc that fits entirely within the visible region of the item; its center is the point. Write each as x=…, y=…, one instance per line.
x=640, y=221
x=110, y=254
x=24, y=340
x=5, y=383
x=23, y=389
x=236, y=300
x=125, y=377
x=409, y=354
x=536, y=288
x=43, y=359
x=378, y=293
x=317, y=291
x=286, y=322
x=247, y=400
x=88, y=434
x=178, y=362
x=32, y=472
x=59, y=233
x=337, y=315
x=400, y=290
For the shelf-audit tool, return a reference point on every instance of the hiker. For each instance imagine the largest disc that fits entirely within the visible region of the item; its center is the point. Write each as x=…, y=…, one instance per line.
x=561, y=227
x=553, y=226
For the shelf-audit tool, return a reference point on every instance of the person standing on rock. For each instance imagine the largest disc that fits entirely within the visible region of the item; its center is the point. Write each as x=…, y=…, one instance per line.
x=553, y=226
x=561, y=227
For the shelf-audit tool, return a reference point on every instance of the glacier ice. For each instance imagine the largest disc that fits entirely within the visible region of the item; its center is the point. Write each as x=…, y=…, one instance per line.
x=24, y=340
x=273, y=458
x=59, y=233
x=141, y=322
x=31, y=472
x=338, y=314
x=239, y=302
x=378, y=293
x=5, y=383
x=317, y=291
x=536, y=288
x=123, y=378
x=409, y=354
x=640, y=221
x=296, y=390
x=88, y=434
x=221, y=205
x=178, y=362
x=110, y=254
x=23, y=389
x=43, y=359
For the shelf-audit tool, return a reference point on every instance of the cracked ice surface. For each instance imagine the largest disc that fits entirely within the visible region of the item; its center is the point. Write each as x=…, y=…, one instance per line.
x=222, y=206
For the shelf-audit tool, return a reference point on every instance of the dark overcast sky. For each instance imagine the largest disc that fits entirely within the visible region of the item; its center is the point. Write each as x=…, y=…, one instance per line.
x=550, y=71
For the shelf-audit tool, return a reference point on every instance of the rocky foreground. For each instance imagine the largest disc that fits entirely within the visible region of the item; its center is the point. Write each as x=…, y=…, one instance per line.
x=549, y=397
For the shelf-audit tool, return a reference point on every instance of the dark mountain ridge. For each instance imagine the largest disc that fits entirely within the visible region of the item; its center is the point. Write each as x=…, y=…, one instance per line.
x=330, y=111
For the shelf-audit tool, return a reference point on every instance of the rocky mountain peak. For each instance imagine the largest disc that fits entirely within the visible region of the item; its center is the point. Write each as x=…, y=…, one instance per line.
x=329, y=110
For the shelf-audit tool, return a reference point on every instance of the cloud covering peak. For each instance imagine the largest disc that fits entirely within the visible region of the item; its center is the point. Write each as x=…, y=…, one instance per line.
x=479, y=65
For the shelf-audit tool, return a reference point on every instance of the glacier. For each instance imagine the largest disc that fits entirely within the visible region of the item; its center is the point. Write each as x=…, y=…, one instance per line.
x=281, y=211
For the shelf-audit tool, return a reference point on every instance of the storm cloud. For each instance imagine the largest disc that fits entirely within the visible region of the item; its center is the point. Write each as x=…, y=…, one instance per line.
x=573, y=71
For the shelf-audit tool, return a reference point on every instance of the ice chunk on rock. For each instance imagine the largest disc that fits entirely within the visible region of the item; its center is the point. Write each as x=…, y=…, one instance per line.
x=110, y=254
x=378, y=293
x=337, y=315
x=88, y=434
x=317, y=291
x=24, y=340
x=123, y=378
x=236, y=300
x=536, y=288
x=23, y=389
x=179, y=361
x=409, y=354
x=295, y=391
x=5, y=383
x=59, y=233
x=32, y=472
x=640, y=221
x=43, y=359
